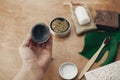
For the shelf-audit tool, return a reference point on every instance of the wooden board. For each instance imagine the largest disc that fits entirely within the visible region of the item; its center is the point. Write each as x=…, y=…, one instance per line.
x=18, y=16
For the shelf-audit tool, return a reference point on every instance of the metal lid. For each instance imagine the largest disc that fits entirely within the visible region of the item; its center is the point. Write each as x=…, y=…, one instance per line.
x=68, y=70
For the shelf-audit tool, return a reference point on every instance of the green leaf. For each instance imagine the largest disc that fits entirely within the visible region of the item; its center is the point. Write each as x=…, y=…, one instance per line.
x=93, y=41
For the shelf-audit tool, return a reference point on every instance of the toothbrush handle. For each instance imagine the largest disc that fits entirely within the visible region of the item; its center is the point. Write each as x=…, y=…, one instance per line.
x=90, y=62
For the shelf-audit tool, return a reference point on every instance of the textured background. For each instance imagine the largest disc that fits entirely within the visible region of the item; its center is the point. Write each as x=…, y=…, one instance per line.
x=18, y=16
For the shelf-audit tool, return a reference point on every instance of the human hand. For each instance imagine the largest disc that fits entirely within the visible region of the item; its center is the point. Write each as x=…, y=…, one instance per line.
x=35, y=53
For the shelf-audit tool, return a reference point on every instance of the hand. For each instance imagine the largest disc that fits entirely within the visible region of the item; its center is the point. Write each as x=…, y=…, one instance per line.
x=32, y=52
x=36, y=58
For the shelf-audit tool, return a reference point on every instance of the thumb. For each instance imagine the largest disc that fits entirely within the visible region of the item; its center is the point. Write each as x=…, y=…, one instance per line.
x=26, y=53
x=27, y=41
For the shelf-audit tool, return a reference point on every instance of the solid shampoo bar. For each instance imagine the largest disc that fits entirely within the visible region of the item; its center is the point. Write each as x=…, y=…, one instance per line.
x=106, y=19
x=82, y=15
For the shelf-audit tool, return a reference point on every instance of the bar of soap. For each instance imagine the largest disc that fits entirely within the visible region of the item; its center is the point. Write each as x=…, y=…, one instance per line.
x=106, y=20
x=82, y=15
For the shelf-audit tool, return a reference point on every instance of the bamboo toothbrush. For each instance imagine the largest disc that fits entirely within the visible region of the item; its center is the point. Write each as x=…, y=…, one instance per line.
x=94, y=57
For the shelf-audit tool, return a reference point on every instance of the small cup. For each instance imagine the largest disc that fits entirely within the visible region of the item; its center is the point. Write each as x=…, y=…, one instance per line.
x=68, y=71
x=59, y=22
x=40, y=33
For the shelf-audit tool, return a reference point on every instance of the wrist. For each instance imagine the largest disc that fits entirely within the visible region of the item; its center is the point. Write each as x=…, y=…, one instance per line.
x=30, y=71
x=33, y=67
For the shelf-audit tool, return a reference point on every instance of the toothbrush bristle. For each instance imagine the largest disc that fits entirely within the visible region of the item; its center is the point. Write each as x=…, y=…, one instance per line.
x=107, y=40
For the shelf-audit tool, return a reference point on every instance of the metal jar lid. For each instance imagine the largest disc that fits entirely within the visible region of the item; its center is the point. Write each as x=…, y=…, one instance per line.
x=68, y=71
x=40, y=33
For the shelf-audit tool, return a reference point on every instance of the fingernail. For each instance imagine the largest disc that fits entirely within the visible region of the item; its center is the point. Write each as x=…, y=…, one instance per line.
x=28, y=34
